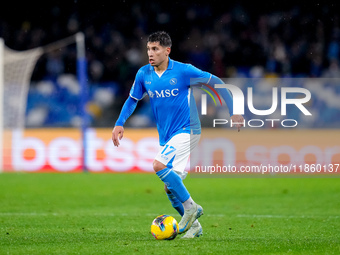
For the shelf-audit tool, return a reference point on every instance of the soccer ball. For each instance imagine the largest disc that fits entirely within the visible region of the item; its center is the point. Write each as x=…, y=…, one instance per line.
x=164, y=227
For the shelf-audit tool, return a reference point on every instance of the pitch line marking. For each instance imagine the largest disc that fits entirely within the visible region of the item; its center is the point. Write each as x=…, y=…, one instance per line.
x=8, y=214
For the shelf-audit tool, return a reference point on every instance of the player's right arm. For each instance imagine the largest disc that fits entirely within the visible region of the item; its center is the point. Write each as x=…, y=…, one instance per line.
x=128, y=108
x=137, y=92
x=117, y=134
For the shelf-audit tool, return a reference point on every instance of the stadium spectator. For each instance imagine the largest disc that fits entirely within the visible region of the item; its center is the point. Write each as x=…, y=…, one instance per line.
x=282, y=39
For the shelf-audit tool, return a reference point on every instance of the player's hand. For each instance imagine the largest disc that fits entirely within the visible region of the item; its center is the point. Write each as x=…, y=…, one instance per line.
x=238, y=120
x=117, y=134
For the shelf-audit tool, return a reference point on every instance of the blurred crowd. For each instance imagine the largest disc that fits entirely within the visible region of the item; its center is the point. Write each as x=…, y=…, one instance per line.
x=233, y=40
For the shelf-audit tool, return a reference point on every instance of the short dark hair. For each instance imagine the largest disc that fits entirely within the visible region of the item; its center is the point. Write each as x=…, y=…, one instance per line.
x=162, y=37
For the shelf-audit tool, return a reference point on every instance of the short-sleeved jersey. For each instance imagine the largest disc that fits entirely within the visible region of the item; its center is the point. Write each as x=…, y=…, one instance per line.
x=170, y=96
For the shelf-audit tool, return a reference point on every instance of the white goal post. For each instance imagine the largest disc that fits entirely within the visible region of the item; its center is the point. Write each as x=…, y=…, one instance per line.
x=2, y=44
x=16, y=68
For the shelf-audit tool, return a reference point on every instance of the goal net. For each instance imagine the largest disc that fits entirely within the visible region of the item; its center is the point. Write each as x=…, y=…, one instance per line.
x=16, y=68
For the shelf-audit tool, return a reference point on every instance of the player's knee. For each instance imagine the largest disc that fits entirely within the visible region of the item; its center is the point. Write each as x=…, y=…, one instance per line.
x=158, y=166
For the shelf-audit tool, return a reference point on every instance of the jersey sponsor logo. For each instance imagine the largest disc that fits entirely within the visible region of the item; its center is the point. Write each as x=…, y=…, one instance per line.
x=147, y=82
x=163, y=93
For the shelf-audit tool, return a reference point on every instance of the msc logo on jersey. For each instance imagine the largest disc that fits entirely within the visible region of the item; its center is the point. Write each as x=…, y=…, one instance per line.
x=163, y=93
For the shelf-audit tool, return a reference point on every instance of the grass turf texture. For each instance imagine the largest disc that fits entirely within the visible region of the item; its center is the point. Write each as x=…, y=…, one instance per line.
x=112, y=213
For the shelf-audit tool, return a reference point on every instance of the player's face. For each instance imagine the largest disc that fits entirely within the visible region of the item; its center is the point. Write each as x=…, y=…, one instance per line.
x=157, y=53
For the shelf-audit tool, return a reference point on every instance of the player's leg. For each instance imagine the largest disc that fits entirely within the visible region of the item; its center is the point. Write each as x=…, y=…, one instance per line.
x=169, y=165
x=174, y=201
x=173, y=182
x=175, y=185
x=196, y=229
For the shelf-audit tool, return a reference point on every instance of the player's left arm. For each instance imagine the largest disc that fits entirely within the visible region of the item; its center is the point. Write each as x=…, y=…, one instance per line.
x=199, y=78
x=237, y=120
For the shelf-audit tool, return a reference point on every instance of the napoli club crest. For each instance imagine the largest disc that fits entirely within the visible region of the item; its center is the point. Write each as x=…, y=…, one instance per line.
x=173, y=81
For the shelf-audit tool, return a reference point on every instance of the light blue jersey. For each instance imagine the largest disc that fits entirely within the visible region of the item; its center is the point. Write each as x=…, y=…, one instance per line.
x=170, y=96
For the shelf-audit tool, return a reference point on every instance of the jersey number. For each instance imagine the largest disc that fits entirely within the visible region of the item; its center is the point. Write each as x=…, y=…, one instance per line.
x=171, y=150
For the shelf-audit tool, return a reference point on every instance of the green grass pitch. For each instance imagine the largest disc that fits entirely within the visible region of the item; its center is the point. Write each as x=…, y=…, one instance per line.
x=111, y=214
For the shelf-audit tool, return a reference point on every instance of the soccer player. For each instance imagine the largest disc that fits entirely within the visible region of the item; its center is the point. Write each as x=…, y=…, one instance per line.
x=168, y=84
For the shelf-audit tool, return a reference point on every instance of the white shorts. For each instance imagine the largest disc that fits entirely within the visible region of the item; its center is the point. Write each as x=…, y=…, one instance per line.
x=175, y=153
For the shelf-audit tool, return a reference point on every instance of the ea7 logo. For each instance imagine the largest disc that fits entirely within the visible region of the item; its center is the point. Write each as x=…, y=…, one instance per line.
x=163, y=93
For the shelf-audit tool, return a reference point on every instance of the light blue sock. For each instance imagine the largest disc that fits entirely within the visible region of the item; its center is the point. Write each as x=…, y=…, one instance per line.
x=174, y=183
x=176, y=203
